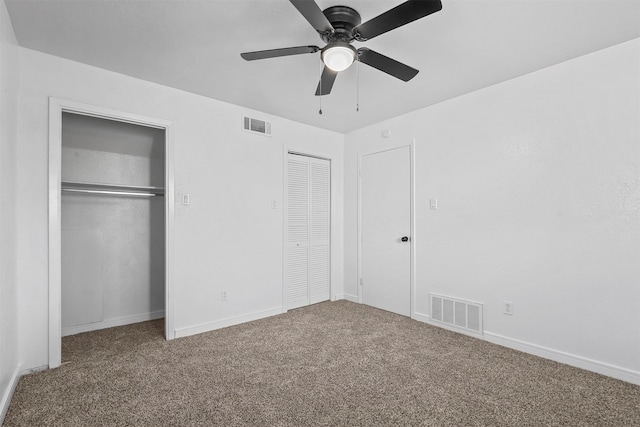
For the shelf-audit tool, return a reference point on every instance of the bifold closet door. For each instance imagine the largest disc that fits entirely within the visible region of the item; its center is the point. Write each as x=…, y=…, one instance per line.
x=308, y=231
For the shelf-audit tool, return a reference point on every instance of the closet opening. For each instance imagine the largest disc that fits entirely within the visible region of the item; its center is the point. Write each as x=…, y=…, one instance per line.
x=110, y=220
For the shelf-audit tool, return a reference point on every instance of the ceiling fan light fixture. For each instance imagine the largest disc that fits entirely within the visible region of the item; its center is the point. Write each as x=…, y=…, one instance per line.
x=338, y=57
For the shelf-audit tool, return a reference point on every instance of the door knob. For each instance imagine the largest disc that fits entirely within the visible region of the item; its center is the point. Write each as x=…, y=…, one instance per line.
x=405, y=239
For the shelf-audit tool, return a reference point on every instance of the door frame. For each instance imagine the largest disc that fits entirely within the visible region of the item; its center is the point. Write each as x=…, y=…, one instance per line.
x=58, y=106
x=285, y=219
x=412, y=232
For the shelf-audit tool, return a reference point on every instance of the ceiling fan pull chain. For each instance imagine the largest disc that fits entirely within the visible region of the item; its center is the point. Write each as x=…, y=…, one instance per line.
x=358, y=83
x=320, y=97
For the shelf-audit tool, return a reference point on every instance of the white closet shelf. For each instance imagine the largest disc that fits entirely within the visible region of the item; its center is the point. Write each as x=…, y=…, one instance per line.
x=111, y=189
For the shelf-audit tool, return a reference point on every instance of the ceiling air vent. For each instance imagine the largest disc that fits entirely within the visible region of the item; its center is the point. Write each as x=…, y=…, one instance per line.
x=256, y=126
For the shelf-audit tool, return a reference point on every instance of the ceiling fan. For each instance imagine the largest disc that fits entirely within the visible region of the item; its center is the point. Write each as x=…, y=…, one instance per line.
x=339, y=26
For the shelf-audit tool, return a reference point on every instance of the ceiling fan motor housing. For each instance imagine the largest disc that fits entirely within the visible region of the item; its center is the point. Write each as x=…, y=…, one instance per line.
x=343, y=19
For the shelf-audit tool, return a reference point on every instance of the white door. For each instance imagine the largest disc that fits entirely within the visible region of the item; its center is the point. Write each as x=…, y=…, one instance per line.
x=385, y=230
x=308, y=229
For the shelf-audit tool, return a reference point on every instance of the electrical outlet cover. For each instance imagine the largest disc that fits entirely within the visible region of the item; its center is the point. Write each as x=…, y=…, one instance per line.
x=508, y=308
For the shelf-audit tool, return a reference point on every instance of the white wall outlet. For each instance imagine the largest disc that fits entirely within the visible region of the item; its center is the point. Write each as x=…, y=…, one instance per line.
x=186, y=199
x=507, y=308
x=224, y=295
x=274, y=204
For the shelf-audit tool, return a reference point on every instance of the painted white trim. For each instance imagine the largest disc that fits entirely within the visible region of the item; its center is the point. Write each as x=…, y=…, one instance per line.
x=285, y=219
x=169, y=231
x=34, y=370
x=352, y=298
x=8, y=393
x=337, y=297
x=113, y=322
x=414, y=233
x=359, y=231
x=55, y=233
x=587, y=364
x=229, y=321
x=427, y=319
x=56, y=108
x=602, y=368
x=420, y=317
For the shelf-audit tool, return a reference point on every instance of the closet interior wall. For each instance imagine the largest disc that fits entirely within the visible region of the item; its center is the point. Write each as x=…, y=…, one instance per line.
x=113, y=252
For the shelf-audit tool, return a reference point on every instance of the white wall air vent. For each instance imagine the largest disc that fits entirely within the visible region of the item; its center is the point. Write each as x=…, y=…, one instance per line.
x=457, y=313
x=262, y=127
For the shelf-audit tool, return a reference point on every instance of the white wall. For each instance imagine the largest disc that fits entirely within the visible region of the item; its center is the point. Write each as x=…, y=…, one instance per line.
x=537, y=181
x=9, y=364
x=228, y=238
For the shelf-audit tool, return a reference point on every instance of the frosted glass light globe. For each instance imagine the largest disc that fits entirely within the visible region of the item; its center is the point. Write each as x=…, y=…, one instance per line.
x=338, y=58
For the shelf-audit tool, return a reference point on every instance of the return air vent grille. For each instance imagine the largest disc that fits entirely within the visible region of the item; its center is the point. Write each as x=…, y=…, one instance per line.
x=460, y=314
x=256, y=126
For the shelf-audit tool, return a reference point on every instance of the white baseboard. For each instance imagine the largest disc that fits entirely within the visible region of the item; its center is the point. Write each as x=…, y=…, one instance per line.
x=352, y=298
x=229, y=321
x=111, y=323
x=602, y=368
x=337, y=297
x=420, y=317
x=7, y=393
x=34, y=370
x=567, y=358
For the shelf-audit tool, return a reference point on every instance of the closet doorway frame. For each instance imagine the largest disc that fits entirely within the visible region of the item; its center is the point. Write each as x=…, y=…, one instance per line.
x=58, y=106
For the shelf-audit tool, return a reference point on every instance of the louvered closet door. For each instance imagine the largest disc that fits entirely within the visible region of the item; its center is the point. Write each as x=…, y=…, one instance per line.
x=319, y=231
x=308, y=225
x=297, y=292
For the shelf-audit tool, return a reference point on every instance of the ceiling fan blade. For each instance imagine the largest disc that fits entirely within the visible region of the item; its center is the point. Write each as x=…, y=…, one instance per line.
x=273, y=53
x=312, y=13
x=403, y=14
x=386, y=64
x=326, y=81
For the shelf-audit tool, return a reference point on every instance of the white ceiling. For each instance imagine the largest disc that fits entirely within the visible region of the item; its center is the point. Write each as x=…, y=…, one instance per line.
x=195, y=46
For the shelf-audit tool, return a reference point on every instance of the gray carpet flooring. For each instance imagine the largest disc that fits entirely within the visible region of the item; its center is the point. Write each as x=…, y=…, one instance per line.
x=333, y=364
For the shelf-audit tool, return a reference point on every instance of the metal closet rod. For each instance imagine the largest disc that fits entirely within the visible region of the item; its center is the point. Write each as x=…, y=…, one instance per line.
x=111, y=189
x=112, y=192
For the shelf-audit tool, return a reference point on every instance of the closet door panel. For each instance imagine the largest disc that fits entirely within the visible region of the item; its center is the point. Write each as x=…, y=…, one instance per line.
x=82, y=277
x=319, y=289
x=320, y=181
x=319, y=221
x=297, y=276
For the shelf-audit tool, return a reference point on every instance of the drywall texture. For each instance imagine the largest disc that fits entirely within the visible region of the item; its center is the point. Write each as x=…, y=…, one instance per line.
x=537, y=186
x=228, y=238
x=8, y=130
